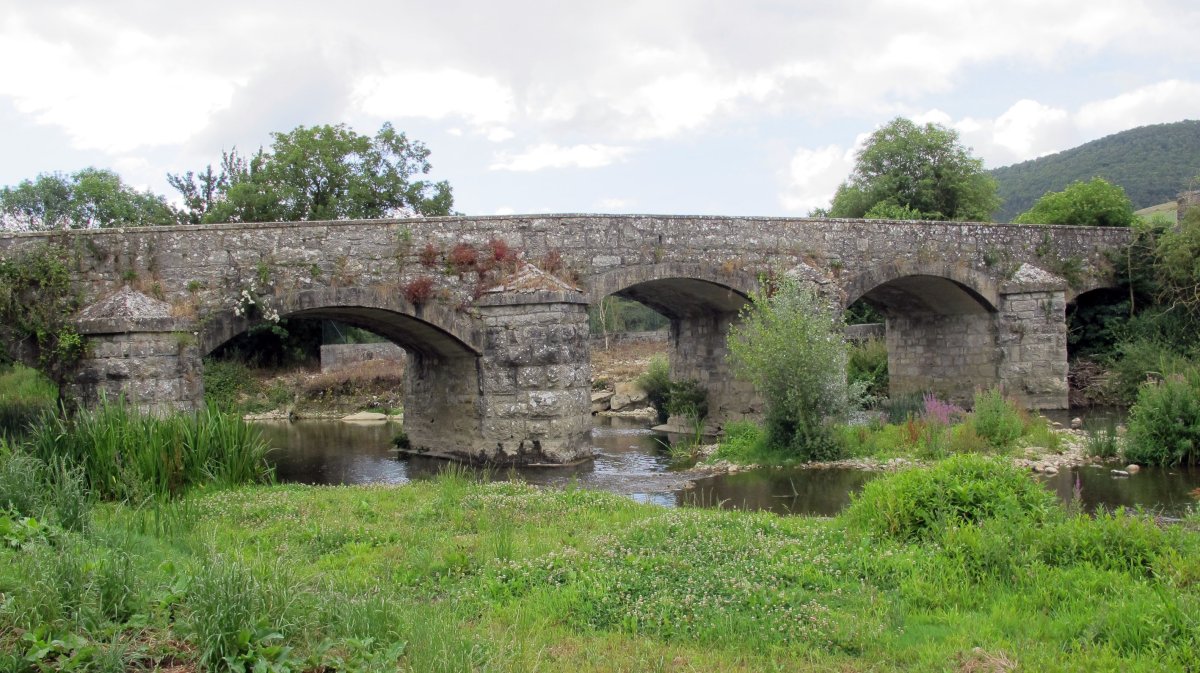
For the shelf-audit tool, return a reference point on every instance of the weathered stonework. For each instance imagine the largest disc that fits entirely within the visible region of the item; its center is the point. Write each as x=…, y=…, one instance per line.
x=503, y=376
x=136, y=350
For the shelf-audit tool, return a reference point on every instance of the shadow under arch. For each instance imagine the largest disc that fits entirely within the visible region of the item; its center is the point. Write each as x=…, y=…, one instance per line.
x=940, y=289
x=428, y=330
x=676, y=289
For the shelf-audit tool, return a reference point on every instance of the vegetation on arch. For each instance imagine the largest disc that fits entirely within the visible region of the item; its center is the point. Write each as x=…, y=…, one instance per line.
x=326, y=172
x=37, y=301
x=1095, y=203
x=908, y=171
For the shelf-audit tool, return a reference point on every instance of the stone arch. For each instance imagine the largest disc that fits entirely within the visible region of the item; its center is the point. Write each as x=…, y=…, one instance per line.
x=942, y=287
x=676, y=289
x=941, y=325
x=701, y=301
x=430, y=329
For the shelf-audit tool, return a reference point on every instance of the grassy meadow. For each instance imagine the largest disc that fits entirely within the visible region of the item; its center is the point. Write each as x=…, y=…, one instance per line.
x=967, y=566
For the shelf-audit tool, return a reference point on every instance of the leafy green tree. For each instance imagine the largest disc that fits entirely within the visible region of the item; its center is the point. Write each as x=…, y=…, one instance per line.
x=1095, y=203
x=916, y=172
x=87, y=199
x=790, y=345
x=317, y=173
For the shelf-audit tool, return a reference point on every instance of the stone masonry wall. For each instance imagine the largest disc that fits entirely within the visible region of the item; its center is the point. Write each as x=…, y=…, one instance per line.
x=340, y=356
x=949, y=355
x=158, y=372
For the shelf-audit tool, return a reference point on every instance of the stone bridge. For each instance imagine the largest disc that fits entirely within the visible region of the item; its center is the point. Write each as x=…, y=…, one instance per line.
x=492, y=310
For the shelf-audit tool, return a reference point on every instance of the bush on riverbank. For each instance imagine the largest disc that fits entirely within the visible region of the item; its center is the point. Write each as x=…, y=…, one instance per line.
x=921, y=504
x=789, y=344
x=1164, y=423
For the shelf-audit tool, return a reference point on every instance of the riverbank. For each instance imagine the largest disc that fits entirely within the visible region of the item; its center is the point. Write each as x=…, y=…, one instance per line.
x=454, y=574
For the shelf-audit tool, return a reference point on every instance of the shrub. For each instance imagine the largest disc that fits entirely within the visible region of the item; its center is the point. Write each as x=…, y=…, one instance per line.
x=921, y=503
x=867, y=367
x=429, y=256
x=1137, y=360
x=656, y=381
x=463, y=257
x=688, y=399
x=1164, y=424
x=790, y=346
x=418, y=290
x=226, y=382
x=996, y=419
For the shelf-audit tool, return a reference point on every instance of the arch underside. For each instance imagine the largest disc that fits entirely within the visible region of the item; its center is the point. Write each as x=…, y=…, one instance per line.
x=926, y=294
x=678, y=298
x=408, y=332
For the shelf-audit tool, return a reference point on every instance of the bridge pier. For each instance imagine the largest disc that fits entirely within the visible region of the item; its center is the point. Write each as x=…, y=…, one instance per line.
x=699, y=353
x=536, y=378
x=137, y=350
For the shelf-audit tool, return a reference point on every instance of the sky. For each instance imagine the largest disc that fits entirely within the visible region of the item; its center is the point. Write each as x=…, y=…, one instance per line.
x=558, y=106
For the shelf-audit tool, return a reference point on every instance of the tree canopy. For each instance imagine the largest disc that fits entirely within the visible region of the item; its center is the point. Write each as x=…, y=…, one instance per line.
x=919, y=172
x=87, y=199
x=1095, y=203
x=317, y=173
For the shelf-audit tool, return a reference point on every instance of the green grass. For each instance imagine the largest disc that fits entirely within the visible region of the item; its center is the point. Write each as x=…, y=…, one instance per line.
x=25, y=395
x=457, y=574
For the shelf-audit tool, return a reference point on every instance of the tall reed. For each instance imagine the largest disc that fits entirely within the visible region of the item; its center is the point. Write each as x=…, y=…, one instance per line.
x=129, y=456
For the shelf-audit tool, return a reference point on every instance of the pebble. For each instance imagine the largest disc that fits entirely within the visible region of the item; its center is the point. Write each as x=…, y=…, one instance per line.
x=1133, y=468
x=1119, y=473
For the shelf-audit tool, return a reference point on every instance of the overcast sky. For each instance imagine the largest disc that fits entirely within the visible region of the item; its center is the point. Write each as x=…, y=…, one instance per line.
x=654, y=106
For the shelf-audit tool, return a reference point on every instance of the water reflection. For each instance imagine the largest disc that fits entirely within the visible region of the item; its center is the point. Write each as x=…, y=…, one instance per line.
x=813, y=492
x=630, y=459
x=1162, y=490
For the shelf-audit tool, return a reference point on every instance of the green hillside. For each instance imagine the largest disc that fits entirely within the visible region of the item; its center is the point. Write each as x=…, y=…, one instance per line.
x=1153, y=164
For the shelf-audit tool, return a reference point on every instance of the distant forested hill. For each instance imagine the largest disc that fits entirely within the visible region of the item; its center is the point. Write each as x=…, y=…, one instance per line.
x=1153, y=164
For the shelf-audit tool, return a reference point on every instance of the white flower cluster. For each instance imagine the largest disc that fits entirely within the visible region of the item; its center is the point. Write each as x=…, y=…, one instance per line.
x=246, y=302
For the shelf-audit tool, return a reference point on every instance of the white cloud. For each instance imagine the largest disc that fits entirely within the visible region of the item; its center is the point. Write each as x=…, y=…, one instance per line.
x=549, y=155
x=814, y=175
x=499, y=134
x=504, y=210
x=434, y=94
x=1166, y=101
x=133, y=95
x=614, y=204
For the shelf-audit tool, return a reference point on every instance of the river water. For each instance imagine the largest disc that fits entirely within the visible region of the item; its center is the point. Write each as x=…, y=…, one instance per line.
x=630, y=460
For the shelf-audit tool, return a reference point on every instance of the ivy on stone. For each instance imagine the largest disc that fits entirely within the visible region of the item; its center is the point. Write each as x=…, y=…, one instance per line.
x=37, y=300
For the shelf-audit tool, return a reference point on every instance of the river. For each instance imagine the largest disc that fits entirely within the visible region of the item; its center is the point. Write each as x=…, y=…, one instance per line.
x=630, y=460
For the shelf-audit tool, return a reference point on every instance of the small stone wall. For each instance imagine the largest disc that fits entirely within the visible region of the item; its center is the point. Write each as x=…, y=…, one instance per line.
x=340, y=356
x=617, y=338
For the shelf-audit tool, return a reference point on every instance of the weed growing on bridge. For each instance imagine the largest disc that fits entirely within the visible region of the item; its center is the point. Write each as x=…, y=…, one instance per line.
x=37, y=302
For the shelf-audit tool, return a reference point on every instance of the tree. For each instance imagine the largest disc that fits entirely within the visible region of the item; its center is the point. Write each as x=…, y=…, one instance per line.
x=790, y=345
x=87, y=199
x=914, y=170
x=317, y=173
x=1096, y=203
